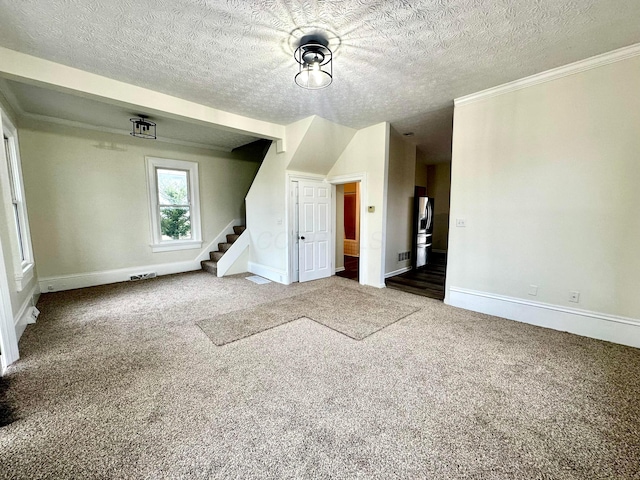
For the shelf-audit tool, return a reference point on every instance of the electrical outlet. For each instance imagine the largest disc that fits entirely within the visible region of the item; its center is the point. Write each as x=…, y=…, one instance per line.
x=533, y=290
x=50, y=288
x=574, y=297
x=461, y=222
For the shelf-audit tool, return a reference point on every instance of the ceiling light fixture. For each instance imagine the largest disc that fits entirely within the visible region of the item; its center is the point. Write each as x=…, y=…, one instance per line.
x=315, y=63
x=142, y=127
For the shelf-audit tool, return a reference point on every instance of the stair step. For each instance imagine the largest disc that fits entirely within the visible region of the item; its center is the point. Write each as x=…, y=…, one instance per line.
x=210, y=266
x=215, y=256
x=223, y=247
x=232, y=238
x=239, y=229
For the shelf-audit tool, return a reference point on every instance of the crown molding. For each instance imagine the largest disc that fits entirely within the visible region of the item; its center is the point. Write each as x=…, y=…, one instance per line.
x=553, y=74
x=117, y=131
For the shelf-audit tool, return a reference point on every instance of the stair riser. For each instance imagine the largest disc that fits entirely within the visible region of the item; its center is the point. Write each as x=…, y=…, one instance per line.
x=232, y=238
x=215, y=256
x=239, y=229
x=223, y=247
x=209, y=267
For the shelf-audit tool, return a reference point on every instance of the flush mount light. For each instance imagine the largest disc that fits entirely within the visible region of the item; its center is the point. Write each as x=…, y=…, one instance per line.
x=315, y=63
x=142, y=127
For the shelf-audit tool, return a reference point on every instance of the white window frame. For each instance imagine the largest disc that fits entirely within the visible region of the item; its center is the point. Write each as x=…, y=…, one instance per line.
x=14, y=197
x=158, y=244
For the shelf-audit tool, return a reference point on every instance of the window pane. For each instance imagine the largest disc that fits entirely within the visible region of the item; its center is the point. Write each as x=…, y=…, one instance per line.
x=175, y=223
x=19, y=231
x=173, y=187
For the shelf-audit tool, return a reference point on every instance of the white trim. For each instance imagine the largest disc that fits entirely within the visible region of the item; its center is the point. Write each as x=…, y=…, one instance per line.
x=117, y=131
x=220, y=238
x=8, y=339
x=397, y=272
x=234, y=252
x=91, y=279
x=385, y=202
x=360, y=178
x=26, y=315
x=602, y=326
x=553, y=74
x=159, y=245
x=14, y=173
x=339, y=269
x=23, y=279
x=177, y=245
x=30, y=69
x=273, y=274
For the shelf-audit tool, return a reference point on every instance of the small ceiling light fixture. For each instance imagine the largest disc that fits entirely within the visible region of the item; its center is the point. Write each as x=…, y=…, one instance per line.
x=142, y=127
x=315, y=62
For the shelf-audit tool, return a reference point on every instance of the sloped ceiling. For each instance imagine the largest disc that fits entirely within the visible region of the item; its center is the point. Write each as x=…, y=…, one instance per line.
x=323, y=143
x=397, y=61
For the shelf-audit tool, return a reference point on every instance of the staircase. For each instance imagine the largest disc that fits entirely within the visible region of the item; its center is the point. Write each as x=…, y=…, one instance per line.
x=211, y=265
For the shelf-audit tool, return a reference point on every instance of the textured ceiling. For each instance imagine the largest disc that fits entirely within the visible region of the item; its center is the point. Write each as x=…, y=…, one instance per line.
x=397, y=61
x=37, y=102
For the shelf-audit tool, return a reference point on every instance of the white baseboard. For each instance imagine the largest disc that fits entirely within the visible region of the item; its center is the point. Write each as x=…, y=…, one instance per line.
x=602, y=326
x=273, y=274
x=397, y=272
x=25, y=315
x=91, y=279
x=339, y=269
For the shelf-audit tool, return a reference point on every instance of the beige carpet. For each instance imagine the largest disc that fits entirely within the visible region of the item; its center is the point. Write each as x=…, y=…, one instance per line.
x=118, y=382
x=345, y=310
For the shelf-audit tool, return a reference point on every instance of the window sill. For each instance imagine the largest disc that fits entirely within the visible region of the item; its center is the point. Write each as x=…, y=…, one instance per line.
x=23, y=279
x=177, y=245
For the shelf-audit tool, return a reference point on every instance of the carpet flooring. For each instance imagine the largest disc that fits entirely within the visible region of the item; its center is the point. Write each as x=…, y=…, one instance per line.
x=345, y=310
x=119, y=382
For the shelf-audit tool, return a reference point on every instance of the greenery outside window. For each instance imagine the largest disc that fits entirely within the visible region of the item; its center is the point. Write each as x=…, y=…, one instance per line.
x=174, y=204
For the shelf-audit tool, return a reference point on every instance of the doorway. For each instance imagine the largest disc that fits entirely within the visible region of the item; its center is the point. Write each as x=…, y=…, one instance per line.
x=348, y=230
x=311, y=233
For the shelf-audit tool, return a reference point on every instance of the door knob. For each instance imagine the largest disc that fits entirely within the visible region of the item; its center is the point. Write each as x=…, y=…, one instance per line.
x=301, y=238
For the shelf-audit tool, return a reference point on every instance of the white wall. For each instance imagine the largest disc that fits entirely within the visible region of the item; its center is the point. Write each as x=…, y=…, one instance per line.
x=547, y=178
x=367, y=153
x=267, y=208
x=88, y=205
x=323, y=143
x=21, y=298
x=400, y=184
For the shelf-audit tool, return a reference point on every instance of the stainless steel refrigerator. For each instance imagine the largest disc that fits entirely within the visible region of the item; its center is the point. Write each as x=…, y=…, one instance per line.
x=423, y=227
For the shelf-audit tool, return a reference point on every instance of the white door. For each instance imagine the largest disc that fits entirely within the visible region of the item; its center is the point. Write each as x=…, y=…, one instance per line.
x=314, y=230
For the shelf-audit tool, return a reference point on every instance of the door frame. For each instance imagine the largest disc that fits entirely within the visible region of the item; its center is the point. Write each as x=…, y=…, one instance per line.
x=8, y=338
x=290, y=220
x=360, y=178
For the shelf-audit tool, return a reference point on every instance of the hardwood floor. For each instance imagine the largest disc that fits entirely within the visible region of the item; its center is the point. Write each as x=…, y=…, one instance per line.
x=351, y=268
x=427, y=281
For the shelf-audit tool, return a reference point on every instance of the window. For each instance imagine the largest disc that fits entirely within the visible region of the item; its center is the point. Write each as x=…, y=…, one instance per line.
x=17, y=221
x=174, y=204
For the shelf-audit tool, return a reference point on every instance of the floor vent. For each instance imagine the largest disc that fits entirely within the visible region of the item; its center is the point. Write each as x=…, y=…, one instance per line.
x=142, y=276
